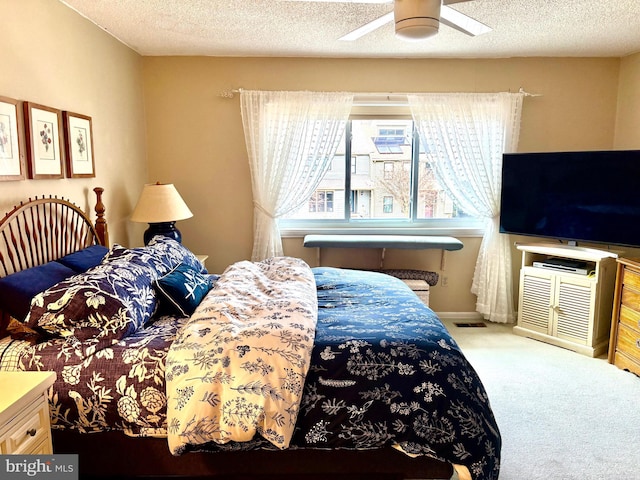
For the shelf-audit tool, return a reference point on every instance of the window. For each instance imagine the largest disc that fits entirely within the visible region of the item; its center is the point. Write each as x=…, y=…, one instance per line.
x=391, y=139
x=387, y=204
x=321, y=201
x=388, y=183
x=388, y=170
x=360, y=165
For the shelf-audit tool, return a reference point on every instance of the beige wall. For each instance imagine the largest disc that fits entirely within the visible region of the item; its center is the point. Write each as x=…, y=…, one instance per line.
x=195, y=136
x=628, y=114
x=169, y=111
x=52, y=56
x=627, y=134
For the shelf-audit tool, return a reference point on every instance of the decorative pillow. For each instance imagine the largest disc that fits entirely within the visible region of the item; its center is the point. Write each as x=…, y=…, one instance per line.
x=162, y=253
x=182, y=289
x=84, y=259
x=17, y=289
x=97, y=308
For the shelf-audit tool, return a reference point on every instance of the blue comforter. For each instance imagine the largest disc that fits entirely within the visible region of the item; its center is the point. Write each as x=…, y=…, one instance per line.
x=385, y=371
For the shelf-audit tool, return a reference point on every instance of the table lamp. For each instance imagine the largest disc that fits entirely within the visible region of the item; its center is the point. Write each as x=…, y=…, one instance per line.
x=161, y=206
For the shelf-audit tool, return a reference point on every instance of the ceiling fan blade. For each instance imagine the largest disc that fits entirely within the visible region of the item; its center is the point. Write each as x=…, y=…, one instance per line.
x=368, y=28
x=462, y=22
x=448, y=16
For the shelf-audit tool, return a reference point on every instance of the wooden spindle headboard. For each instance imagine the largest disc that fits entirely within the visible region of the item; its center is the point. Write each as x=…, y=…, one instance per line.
x=44, y=229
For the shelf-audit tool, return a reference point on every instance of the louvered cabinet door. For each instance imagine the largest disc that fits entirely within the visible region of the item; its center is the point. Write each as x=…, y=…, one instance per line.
x=573, y=310
x=535, y=303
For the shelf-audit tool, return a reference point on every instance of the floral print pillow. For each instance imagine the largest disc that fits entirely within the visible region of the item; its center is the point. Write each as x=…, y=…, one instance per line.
x=163, y=254
x=95, y=309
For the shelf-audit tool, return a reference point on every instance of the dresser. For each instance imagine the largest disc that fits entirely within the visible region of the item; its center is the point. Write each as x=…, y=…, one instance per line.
x=24, y=413
x=624, y=345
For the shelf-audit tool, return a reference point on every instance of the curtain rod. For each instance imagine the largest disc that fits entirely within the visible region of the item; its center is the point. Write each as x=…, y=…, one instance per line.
x=527, y=94
x=231, y=93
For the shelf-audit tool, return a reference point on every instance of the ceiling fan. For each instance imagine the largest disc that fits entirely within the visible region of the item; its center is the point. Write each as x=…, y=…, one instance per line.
x=416, y=19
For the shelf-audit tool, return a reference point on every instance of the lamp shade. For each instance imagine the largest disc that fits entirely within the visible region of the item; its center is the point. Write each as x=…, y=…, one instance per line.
x=159, y=203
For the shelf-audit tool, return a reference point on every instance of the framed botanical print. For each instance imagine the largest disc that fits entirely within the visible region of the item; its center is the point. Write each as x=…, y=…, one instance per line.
x=11, y=140
x=45, y=153
x=78, y=138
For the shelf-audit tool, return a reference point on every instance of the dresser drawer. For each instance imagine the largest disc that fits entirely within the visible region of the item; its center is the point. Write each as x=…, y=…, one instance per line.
x=625, y=363
x=630, y=317
x=630, y=298
x=629, y=342
x=25, y=433
x=631, y=278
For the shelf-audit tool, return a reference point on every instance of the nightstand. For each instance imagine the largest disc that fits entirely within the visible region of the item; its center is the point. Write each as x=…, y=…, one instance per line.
x=24, y=413
x=203, y=260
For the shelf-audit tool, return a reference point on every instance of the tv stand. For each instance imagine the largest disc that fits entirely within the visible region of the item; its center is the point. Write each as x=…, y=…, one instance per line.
x=565, y=306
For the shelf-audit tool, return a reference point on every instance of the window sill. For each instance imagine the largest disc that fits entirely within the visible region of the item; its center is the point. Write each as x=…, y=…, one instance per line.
x=298, y=232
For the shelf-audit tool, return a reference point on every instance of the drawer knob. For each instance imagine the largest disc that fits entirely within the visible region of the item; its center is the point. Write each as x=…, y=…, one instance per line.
x=31, y=432
x=638, y=343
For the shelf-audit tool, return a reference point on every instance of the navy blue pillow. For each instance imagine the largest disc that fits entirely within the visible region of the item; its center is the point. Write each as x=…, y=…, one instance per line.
x=17, y=289
x=182, y=289
x=84, y=259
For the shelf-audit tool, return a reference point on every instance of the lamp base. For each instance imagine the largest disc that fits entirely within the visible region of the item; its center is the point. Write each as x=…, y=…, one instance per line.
x=167, y=229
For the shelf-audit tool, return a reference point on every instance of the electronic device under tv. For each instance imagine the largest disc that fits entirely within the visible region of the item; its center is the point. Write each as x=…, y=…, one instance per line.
x=591, y=196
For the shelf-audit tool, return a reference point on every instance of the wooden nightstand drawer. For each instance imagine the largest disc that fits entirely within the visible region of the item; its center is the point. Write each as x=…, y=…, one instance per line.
x=23, y=434
x=24, y=413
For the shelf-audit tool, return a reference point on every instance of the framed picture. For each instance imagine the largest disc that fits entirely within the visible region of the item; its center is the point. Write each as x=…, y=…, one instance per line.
x=78, y=139
x=44, y=141
x=11, y=140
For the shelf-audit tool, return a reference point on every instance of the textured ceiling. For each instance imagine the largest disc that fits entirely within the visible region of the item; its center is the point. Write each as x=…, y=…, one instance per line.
x=521, y=28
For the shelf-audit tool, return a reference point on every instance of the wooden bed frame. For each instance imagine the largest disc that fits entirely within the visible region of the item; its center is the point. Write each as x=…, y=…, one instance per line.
x=44, y=229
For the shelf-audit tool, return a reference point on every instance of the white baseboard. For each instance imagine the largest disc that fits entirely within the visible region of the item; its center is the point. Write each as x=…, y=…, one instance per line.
x=460, y=316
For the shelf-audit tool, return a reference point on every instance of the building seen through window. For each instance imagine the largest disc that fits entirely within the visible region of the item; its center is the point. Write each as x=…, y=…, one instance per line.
x=388, y=177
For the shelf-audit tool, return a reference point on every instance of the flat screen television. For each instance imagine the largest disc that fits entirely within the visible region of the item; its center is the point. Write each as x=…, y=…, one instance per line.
x=591, y=196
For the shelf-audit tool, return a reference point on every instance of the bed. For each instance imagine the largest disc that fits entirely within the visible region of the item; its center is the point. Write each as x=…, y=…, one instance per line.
x=269, y=370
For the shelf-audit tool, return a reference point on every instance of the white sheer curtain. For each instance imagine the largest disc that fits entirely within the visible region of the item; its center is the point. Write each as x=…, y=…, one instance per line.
x=291, y=138
x=466, y=135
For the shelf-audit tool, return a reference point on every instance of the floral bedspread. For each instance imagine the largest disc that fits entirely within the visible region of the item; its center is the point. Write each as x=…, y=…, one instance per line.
x=237, y=368
x=121, y=387
x=384, y=371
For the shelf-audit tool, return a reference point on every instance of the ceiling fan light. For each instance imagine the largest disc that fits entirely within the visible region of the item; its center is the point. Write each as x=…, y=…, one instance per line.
x=416, y=19
x=417, y=28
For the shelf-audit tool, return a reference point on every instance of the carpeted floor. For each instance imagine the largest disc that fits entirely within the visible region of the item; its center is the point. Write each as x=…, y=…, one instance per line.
x=562, y=415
